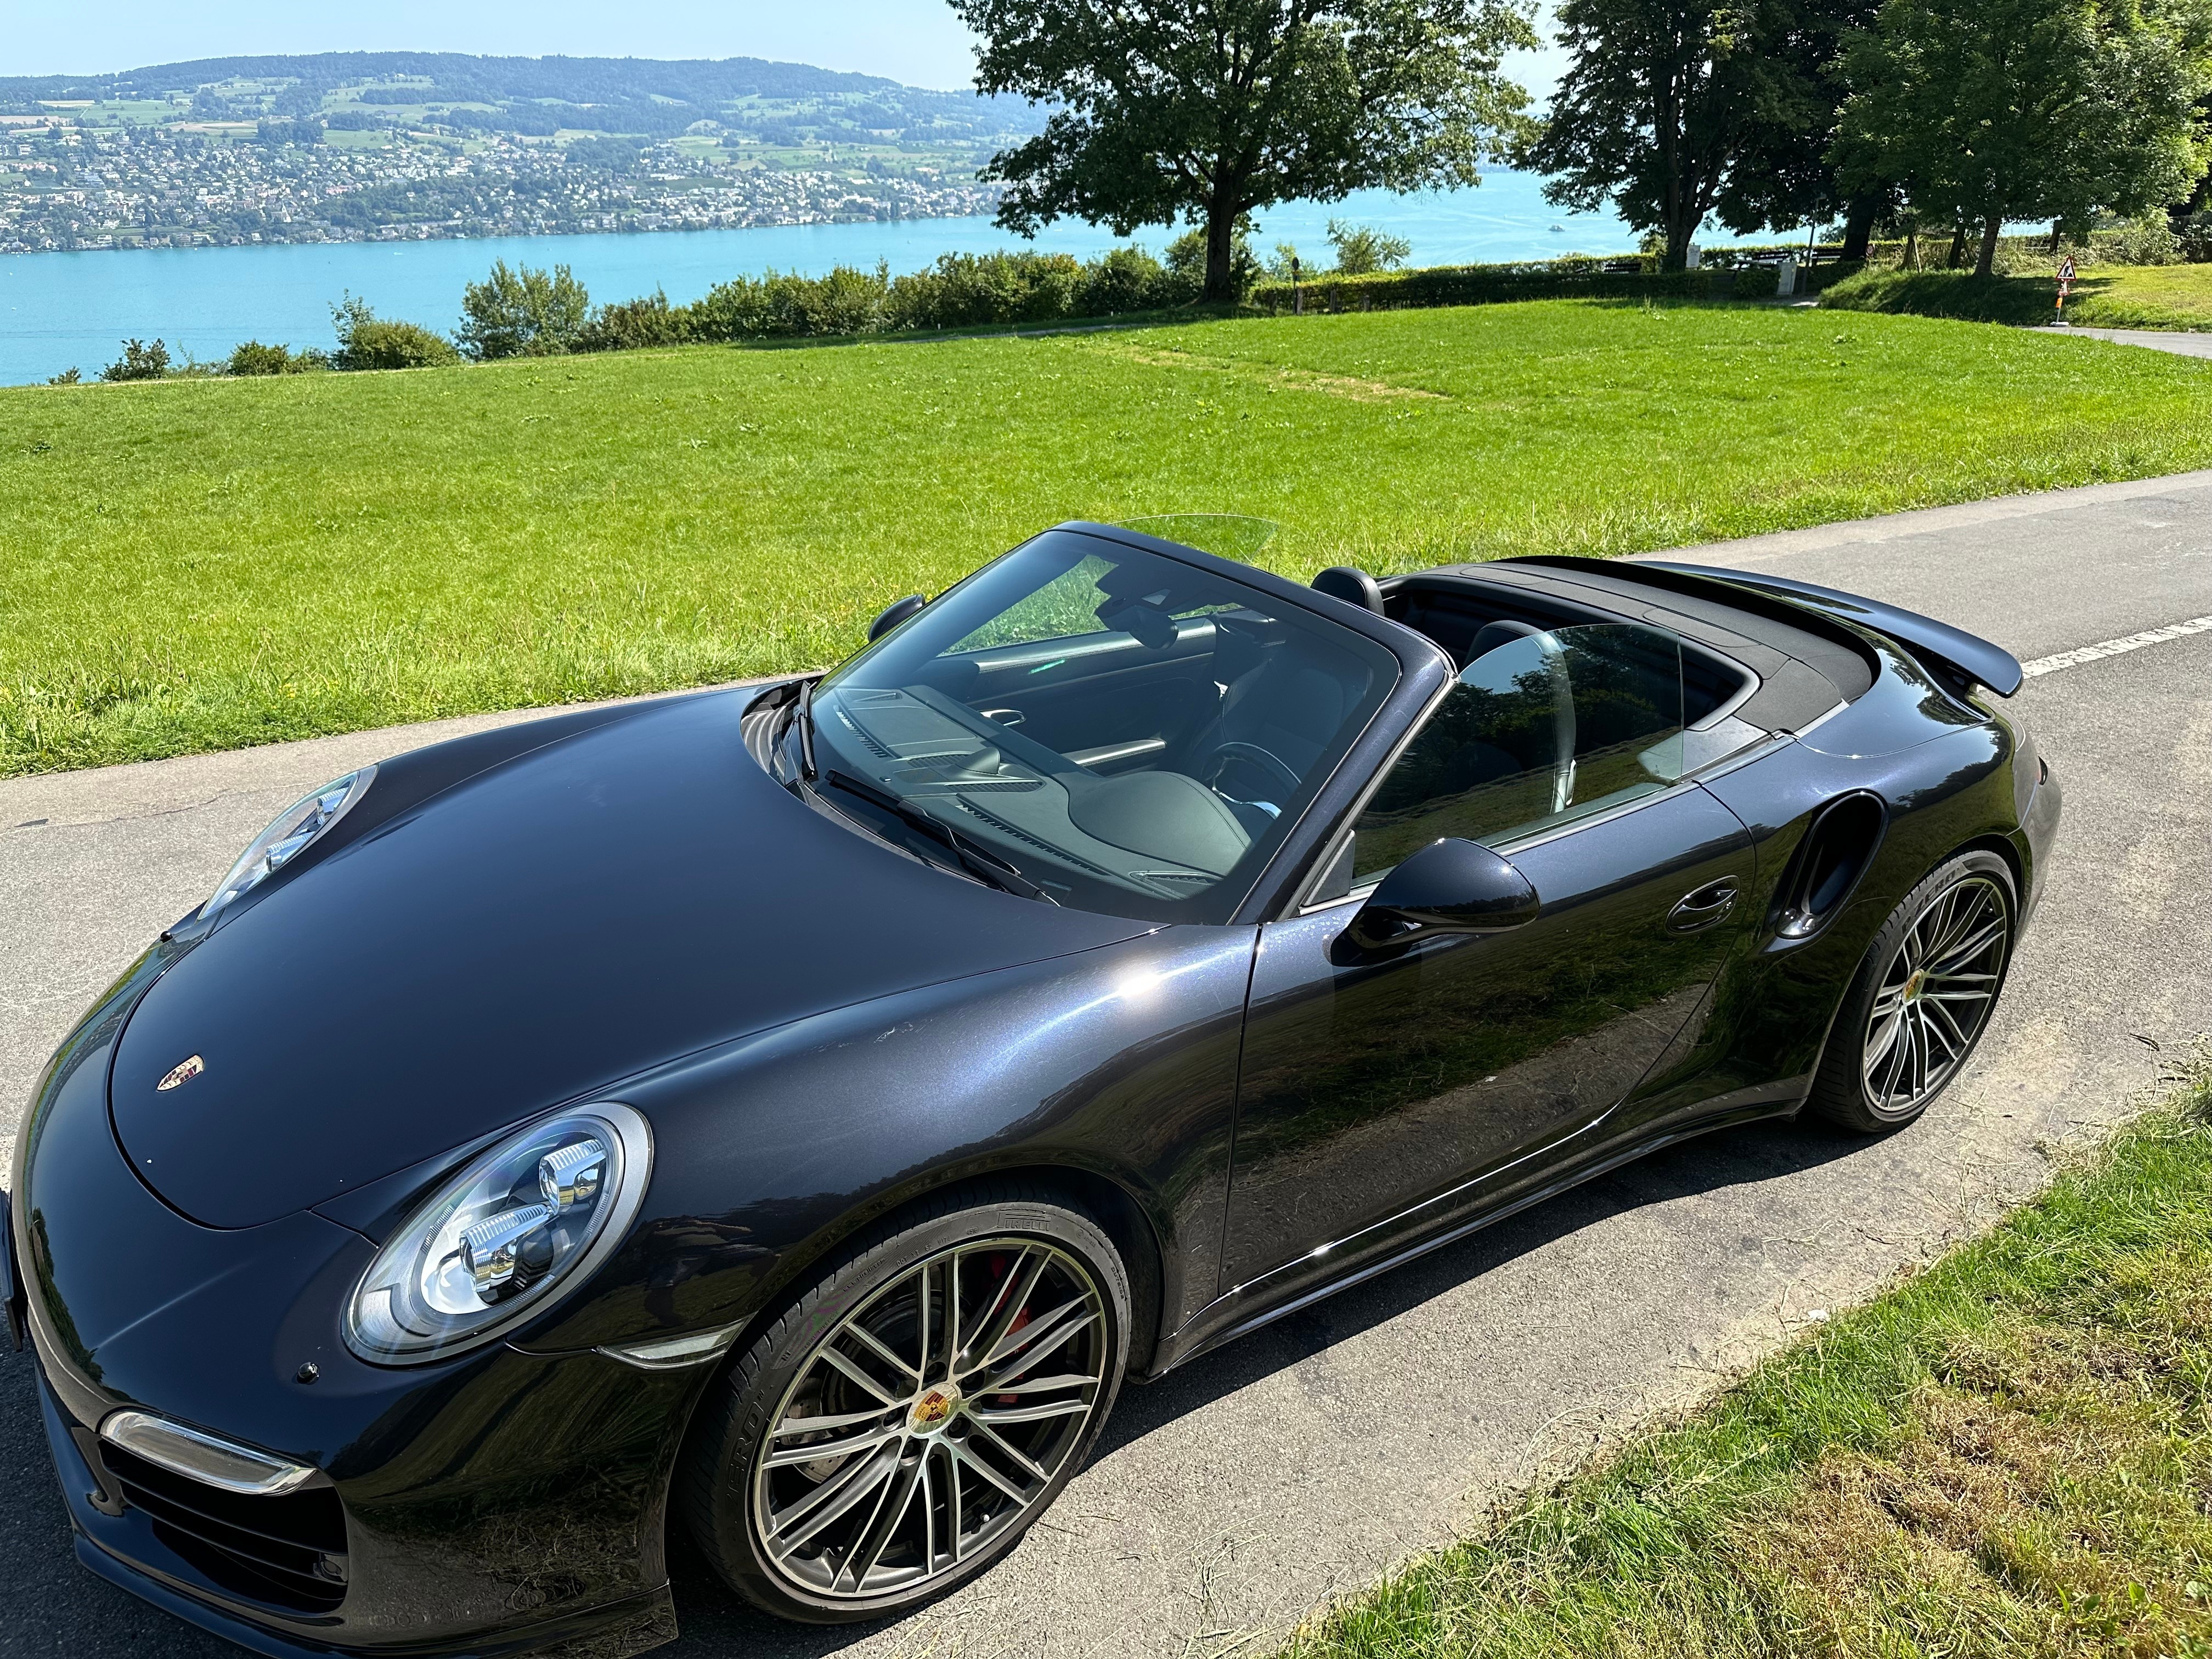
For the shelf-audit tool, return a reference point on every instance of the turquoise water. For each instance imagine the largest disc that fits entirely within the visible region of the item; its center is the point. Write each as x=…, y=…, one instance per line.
x=61, y=309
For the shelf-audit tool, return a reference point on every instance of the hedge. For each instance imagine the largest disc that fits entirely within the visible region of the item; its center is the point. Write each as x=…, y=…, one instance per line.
x=1558, y=279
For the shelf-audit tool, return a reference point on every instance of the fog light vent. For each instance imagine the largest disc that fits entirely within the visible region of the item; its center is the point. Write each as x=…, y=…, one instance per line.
x=285, y=1551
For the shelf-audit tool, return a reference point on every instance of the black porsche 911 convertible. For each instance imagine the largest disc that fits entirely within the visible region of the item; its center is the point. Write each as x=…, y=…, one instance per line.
x=791, y=1113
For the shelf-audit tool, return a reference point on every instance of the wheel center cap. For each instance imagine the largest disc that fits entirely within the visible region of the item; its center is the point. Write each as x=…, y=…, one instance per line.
x=1916, y=984
x=935, y=1408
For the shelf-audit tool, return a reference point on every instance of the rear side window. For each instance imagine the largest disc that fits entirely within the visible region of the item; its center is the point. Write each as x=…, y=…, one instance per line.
x=1550, y=727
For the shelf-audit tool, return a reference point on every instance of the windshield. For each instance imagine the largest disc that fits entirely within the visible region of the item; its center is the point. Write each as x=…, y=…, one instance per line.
x=1129, y=733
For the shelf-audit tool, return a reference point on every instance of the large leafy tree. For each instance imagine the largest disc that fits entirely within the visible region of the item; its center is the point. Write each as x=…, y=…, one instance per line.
x=1981, y=110
x=1780, y=175
x=1209, y=109
x=1661, y=102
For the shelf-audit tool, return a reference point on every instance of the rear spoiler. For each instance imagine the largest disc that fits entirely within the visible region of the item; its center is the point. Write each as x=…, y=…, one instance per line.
x=1967, y=655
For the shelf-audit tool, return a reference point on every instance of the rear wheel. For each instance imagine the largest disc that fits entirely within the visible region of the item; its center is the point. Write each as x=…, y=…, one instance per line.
x=912, y=1415
x=1922, y=998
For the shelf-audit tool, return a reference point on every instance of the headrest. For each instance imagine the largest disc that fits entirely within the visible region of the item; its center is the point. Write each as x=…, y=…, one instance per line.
x=1496, y=633
x=1341, y=581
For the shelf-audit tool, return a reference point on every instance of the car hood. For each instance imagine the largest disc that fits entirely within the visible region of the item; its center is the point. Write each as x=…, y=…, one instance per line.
x=530, y=936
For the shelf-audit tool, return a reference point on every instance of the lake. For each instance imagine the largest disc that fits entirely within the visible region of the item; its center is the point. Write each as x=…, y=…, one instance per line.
x=59, y=310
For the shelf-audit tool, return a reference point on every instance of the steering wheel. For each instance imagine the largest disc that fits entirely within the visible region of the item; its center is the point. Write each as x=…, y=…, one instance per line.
x=1252, y=754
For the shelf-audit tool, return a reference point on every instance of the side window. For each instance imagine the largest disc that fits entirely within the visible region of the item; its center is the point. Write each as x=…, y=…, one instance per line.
x=1544, y=730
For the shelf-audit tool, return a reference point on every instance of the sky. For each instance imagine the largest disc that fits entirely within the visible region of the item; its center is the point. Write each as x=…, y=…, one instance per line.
x=919, y=42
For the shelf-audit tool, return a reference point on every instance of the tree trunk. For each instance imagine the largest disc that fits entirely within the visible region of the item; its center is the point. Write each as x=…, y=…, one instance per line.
x=1911, y=247
x=1680, y=229
x=1958, y=248
x=1986, y=264
x=1220, y=248
x=1858, y=225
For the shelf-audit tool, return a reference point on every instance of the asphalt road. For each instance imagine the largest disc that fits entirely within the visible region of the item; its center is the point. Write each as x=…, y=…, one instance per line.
x=1235, y=1495
x=2182, y=342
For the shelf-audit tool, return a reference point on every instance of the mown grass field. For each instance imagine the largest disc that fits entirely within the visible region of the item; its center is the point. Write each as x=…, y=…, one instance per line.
x=2007, y=1457
x=199, y=565
x=2104, y=297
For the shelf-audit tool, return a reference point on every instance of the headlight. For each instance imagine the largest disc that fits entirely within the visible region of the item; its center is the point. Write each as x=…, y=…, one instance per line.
x=497, y=1242
x=285, y=838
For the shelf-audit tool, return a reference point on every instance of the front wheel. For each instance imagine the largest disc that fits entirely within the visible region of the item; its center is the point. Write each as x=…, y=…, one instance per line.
x=912, y=1414
x=1922, y=997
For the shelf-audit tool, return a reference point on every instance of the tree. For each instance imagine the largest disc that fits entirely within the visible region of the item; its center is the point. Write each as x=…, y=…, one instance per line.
x=1983, y=111
x=1361, y=250
x=1664, y=107
x=1781, y=176
x=1209, y=109
x=523, y=313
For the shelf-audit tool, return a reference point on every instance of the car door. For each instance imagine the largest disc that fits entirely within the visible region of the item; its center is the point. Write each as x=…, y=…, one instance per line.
x=1380, y=1092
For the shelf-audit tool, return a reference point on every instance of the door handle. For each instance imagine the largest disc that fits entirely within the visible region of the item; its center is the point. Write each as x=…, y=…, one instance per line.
x=1710, y=903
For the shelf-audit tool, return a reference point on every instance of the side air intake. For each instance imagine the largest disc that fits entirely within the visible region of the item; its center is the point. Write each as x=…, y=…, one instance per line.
x=1833, y=855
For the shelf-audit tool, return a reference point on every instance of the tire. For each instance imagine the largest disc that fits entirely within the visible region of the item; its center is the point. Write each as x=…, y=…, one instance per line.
x=1922, y=997
x=924, y=1483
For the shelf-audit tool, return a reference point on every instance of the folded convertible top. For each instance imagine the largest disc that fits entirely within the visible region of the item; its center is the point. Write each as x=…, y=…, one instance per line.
x=1967, y=655
x=1970, y=654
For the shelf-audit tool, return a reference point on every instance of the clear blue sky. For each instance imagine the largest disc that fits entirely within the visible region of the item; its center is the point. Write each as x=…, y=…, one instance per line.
x=917, y=41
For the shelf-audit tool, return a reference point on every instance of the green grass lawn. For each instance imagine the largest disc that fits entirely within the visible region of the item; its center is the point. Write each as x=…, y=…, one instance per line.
x=2007, y=1457
x=2104, y=297
x=198, y=565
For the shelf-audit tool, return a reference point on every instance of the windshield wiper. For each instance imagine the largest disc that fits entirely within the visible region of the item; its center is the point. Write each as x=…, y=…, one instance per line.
x=978, y=861
x=803, y=712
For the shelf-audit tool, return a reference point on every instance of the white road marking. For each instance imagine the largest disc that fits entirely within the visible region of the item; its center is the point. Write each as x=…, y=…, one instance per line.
x=2114, y=647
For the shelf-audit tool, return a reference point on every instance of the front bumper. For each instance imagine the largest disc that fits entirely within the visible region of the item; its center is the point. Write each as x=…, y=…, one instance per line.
x=503, y=1502
x=126, y=1549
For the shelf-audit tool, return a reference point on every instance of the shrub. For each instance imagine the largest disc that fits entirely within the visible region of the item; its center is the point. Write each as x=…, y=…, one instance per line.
x=367, y=341
x=68, y=377
x=1362, y=251
x=2148, y=241
x=251, y=357
x=1126, y=279
x=523, y=313
x=846, y=301
x=139, y=361
x=2194, y=239
x=636, y=323
x=966, y=289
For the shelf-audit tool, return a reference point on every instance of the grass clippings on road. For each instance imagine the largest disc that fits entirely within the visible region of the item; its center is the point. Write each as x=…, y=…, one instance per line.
x=199, y=565
x=2005, y=1457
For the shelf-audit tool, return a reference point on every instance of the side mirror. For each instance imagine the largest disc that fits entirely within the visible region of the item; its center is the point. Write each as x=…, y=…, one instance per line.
x=1448, y=887
x=895, y=613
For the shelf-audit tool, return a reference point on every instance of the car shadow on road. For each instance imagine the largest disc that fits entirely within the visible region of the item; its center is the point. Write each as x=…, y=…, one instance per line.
x=52, y=1605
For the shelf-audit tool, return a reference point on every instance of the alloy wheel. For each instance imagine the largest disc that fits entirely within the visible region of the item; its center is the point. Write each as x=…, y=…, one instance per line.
x=1935, y=995
x=933, y=1418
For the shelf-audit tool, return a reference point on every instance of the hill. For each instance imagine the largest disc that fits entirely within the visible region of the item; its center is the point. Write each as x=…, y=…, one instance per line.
x=346, y=145
x=202, y=564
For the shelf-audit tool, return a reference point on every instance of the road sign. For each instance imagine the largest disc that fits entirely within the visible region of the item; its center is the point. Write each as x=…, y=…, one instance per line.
x=2066, y=269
